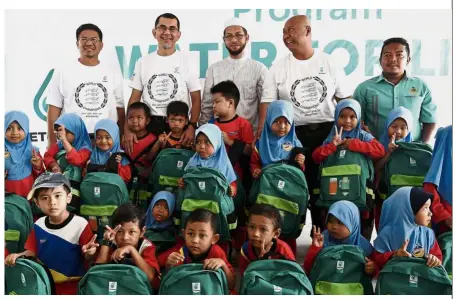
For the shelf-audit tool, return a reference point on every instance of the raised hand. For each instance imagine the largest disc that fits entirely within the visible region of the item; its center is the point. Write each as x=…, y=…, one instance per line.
x=181, y=183
x=318, y=238
x=256, y=174
x=110, y=234
x=402, y=251
x=365, y=127
x=392, y=146
x=369, y=266
x=227, y=140
x=174, y=258
x=36, y=161
x=91, y=247
x=264, y=249
x=337, y=138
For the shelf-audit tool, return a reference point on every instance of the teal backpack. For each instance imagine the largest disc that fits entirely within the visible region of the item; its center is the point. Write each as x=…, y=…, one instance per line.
x=284, y=187
x=74, y=175
x=347, y=175
x=407, y=166
x=163, y=239
x=412, y=276
x=275, y=277
x=191, y=279
x=28, y=277
x=445, y=243
x=207, y=188
x=101, y=194
x=340, y=270
x=114, y=279
x=19, y=219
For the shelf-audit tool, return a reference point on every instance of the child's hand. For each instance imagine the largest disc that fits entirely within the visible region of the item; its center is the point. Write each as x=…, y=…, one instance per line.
x=300, y=159
x=174, y=258
x=318, y=238
x=91, y=247
x=369, y=266
x=345, y=143
x=118, y=158
x=264, y=249
x=433, y=261
x=213, y=264
x=402, y=251
x=163, y=139
x=227, y=140
x=10, y=260
x=337, y=138
x=231, y=191
x=62, y=133
x=120, y=253
x=256, y=174
x=448, y=222
x=181, y=183
x=365, y=127
x=110, y=234
x=392, y=146
x=56, y=169
x=37, y=164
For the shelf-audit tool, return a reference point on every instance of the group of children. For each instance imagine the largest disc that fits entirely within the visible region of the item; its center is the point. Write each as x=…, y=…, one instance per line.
x=228, y=145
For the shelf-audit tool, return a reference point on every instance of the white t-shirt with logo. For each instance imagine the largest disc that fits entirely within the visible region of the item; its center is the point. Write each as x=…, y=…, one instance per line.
x=309, y=84
x=164, y=79
x=92, y=92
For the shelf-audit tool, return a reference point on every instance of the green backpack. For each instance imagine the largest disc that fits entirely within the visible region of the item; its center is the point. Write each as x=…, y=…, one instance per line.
x=74, y=175
x=445, y=243
x=19, y=219
x=114, y=279
x=407, y=166
x=101, y=194
x=340, y=270
x=412, y=276
x=28, y=277
x=207, y=188
x=163, y=240
x=346, y=175
x=191, y=279
x=284, y=187
x=275, y=277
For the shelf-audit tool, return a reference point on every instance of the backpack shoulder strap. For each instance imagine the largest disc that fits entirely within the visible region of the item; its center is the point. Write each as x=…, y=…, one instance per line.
x=244, y=250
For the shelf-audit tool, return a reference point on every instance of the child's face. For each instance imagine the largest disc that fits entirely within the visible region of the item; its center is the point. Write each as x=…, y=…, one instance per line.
x=160, y=211
x=336, y=228
x=347, y=119
x=199, y=237
x=281, y=127
x=53, y=202
x=261, y=230
x=177, y=123
x=14, y=133
x=221, y=105
x=130, y=233
x=103, y=140
x=204, y=147
x=137, y=120
x=424, y=215
x=399, y=128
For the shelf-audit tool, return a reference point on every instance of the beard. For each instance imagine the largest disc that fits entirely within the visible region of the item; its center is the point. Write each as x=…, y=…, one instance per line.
x=237, y=52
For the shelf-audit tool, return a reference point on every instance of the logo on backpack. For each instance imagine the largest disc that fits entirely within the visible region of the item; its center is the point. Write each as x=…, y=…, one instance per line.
x=202, y=185
x=281, y=185
x=196, y=288
x=112, y=288
x=23, y=280
x=180, y=164
x=97, y=191
x=342, y=154
x=412, y=162
x=277, y=290
x=340, y=266
x=413, y=281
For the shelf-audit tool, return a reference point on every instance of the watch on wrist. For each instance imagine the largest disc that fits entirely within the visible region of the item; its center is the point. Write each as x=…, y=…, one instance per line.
x=106, y=243
x=193, y=124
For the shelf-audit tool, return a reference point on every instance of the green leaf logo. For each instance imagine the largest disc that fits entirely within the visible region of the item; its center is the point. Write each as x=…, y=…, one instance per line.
x=39, y=103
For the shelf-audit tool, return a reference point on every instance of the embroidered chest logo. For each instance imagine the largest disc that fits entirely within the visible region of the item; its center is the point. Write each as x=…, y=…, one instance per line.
x=413, y=91
x=287, y=146
x=418, y=251
x=7, y=154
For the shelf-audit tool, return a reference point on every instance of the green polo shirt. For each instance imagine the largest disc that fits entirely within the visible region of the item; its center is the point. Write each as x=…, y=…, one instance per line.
x=378, y=97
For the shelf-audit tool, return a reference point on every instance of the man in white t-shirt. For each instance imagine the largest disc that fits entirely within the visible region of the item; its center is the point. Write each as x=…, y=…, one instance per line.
x=162, y=77
x=313, y=83
x=87, y=87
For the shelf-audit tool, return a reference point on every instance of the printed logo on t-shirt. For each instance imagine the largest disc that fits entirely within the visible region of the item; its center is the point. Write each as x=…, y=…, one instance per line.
x=105, y=79
x=304, y=93
x=162, y=87
x=91, y=96
x=287, y=146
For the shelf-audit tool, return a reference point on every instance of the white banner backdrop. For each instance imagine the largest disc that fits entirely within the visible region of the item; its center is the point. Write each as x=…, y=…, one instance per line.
x=38, y=41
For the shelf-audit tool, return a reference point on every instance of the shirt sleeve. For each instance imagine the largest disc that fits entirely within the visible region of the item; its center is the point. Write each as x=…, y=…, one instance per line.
x=313, y=251
x=322, y=152
x=436, y=251
x=50, y=154
x=86, y=235
x=360, y=97
x=119, y=91
x=207, y=103
x=193, y=80
x=135, y=81
x=243, y=263
x=246, y=132
x=78, y=158
x=372, y=149
x=381, y=259
x=30, y=244
x=149, y=257
x=270, y=91
x=428, y=108
x=261, y=81
x=341, y=85
x=125, y=172
x=438, y=210
x=55, y=97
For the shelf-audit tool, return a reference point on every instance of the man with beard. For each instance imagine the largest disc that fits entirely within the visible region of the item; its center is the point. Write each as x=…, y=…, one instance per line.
x=247, y=74
x=162, y=77
x=393, y=88
x=87, y=87
x=313, y=83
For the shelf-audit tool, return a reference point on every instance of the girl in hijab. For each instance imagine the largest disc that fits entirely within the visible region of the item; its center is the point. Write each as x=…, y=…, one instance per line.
x=107, y=143
x=347, y=133
x=403, y=228
x=438, y=181
x=211, y=153
x=343, y=227
x=278, y=141
x=73, y=138
x=23, y=162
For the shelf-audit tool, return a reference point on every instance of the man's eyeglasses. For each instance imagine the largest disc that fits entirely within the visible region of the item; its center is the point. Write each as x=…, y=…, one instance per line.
x=85, y=40
x=164, y=28
x=237, y=36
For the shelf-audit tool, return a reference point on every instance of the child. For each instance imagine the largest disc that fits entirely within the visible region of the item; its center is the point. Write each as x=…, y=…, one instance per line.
x=72, y=136
x=278, y=140
x=126, y=243
x=211, y=154
x=106, y=144
x=264, y=228
x=439, y=180
x=60, y=239
x=178, y=119
x=200, y=246
x=23, y=162
x=398, y=127
x=343, y=227
x=403, y=228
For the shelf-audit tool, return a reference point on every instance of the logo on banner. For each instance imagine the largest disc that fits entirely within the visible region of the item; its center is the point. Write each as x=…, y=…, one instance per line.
x=305, y=93
x=162, y=87
x=91, y=96
x=39, y=102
